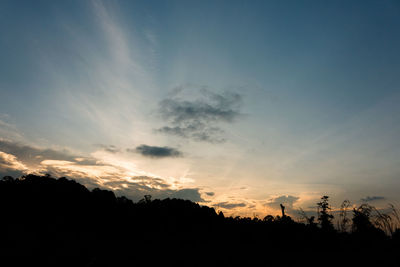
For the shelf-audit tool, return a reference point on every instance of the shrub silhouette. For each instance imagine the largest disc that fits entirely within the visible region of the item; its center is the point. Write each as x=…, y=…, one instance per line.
x=361, y=219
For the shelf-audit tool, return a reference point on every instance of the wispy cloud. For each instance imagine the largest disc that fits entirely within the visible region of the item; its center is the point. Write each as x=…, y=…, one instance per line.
x=113, y=80
x=7, y=129
x=108, y=148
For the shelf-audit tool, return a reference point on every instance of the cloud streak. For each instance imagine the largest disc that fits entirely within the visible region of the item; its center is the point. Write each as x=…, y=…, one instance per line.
x=228, y=205
x=372, y=198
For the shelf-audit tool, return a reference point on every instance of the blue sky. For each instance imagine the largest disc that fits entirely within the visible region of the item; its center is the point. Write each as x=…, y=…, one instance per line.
x=247, y=100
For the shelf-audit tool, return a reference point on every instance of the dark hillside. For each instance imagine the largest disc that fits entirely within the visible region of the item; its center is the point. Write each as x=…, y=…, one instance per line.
x=59, y=222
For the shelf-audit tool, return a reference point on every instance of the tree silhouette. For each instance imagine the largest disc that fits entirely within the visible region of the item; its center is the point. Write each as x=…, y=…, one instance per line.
x=324, y=217
x=283, y=210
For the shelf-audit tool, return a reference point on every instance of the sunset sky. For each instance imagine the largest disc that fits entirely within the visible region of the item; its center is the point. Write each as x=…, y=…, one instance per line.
x=240, y=105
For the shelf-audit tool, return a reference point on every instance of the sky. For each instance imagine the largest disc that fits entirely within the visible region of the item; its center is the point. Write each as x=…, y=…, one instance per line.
x=239, y=105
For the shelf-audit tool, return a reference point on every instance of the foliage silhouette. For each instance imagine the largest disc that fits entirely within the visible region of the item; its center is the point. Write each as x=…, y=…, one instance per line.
x=59, y=222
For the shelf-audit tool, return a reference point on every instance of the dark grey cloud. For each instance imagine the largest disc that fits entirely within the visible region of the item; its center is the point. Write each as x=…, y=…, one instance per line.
x=287, y=201
x=220, y=108
x=12, y=173
x=228, y=205
x=372, y=198
x=156, y=151
x=199, y=119
x=139, y=186
x=210, y=194
x=188, y=193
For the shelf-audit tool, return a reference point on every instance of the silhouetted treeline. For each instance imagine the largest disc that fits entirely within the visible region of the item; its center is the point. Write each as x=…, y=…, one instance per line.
x=59, y=222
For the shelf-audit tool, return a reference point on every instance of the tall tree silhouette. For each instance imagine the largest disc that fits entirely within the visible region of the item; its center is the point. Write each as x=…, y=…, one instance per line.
x=324, y=217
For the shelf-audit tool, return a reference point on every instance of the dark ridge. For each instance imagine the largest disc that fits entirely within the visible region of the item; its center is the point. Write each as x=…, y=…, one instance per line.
x=59, y=222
